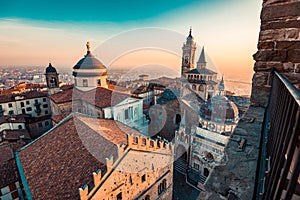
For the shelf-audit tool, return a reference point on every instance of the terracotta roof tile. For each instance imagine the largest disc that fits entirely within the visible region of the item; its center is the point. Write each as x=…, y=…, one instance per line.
x=15, y=135
x=57, y=118
x=8, y=168
x=100, y=97
x=63, y=96
x=62, y=160
x=13, y=118
x=26, y=95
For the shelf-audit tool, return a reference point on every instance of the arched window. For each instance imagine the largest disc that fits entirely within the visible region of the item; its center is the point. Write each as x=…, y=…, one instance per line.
x=206, y=172
x=194, y=87
x=143, y=141
x=151, y=143
x=147, y=197
x=201, y=88
x=162, y=186
x=135, y=140
x=177, y=119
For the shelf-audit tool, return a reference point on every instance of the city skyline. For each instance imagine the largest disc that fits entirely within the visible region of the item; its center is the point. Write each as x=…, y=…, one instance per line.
x=34, y=35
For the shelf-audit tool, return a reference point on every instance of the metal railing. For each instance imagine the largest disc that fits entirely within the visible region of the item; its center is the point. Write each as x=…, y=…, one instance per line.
x=279, y=163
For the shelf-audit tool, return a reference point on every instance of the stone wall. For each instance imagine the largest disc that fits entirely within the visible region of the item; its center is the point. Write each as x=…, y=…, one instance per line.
x=278, y=46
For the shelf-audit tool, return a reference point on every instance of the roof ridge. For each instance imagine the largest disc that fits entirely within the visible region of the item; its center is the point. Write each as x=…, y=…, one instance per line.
x=50, y=130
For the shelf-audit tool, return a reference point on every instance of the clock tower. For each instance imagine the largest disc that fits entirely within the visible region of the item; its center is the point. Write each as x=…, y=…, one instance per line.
x=188, y=53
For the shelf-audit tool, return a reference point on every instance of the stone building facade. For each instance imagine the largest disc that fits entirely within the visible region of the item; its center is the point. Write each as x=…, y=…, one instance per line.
x=143, y=170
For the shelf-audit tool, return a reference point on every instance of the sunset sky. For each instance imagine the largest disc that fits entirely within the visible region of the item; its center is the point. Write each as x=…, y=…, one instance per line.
x=34, y=32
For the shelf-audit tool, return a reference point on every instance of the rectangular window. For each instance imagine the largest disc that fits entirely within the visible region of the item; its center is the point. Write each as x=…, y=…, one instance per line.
x=119, y=196
x=45, y=106
x=99, y=82
x=47, y=123
x=36, y=101
x=40, y=125
x=85, y=83
x=44, y=99
x=9, y=105
x=15, y=194
x=126, y=114
x=28, y=109
x=27, y=102
x=144, y=178
x=196, y=166
x=11, y=112
x=12, y=187
x=46, y=112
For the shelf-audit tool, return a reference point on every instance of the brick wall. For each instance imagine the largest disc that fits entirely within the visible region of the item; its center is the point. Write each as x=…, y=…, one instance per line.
x=278, y=46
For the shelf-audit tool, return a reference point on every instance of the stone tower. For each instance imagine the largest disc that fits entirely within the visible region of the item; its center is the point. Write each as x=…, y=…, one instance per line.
x=52, y=80
x=188, y=54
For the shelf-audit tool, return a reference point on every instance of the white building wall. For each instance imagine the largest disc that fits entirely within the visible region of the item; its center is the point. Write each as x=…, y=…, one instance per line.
x=92, y=82
x=11, y=126
x=29, y=106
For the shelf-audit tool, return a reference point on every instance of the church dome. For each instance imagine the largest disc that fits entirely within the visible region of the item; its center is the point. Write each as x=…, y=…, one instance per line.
x=219, y=109
x=89, y=61
x=50, y=69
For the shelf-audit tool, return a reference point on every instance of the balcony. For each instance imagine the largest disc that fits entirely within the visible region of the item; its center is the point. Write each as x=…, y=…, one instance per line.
x=279, y=163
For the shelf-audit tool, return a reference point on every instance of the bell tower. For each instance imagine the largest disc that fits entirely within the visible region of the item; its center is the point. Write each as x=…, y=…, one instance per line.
x=188, y=53
x=52, y=80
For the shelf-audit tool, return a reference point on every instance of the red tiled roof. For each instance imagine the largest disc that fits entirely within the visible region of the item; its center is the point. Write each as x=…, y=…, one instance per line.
x=100, y=97
x=57, y=118
x=15, y=135
x=61, y=161
x=26, y=95
x=63, y=96
x=8, y=168
x=21, y=87
x=13, y=118
x=66, y=87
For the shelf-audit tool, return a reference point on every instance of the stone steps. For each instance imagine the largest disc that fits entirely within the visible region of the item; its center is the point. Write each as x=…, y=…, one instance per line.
x=180, y=166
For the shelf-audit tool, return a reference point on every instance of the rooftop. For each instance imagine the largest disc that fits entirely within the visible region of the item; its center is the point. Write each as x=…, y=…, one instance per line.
x=67, y=155
x=22, y=96
x=8, y=168
x=100, y=97
x=201, y=71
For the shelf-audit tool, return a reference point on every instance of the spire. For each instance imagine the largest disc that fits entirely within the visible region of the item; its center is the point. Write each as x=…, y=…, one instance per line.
x=202, y=60
x=221, y=87
x=190, y=38
x=202, y=57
